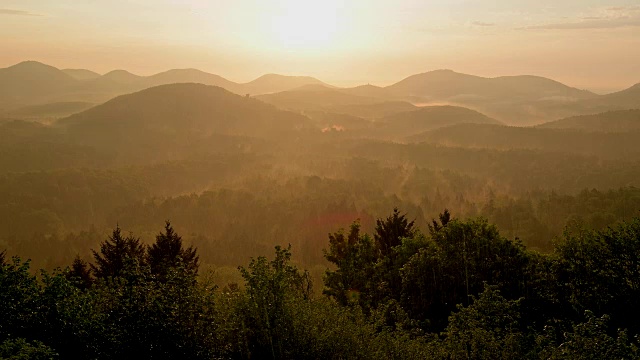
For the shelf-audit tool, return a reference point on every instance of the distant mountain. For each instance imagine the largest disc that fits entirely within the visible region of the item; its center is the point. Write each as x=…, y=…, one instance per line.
x=314, y=99
x=369, y=91
x=49, y=111
x=612, y=121
x=628, y=98
x=611, y=146
x=449, y=85
x=190, y=76
x=26, y=80
x=414, y=122
x=272, y=83
x=374, y=111
x=519, y=100
x=81, y=74
x=122, y=76
x=33, y=83
x=321, y=98
x=179, y=114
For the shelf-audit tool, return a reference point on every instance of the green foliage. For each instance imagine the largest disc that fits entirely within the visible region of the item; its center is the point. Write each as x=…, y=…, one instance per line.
x=20, y=349
x=168, y=253
x=487, y=329
x=462, y=258
x=390, y=232
x=601, y=272
x=354, y=255
x=591, y=340
x=466, y=292
x=270, y=286
x=19, y=293
x=80, y=272
x=118, y=255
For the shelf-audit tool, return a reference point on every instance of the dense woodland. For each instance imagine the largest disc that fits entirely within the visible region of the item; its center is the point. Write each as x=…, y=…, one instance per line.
x=536, y=255
x=453, y=289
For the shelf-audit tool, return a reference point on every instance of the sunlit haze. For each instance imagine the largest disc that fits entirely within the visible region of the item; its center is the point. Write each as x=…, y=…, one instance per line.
x=589, y=44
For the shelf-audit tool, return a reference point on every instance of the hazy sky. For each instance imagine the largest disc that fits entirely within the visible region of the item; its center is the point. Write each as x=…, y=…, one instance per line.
x=585, y=43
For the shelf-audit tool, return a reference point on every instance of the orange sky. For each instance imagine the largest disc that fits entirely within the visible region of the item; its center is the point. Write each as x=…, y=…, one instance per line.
x=584, y=43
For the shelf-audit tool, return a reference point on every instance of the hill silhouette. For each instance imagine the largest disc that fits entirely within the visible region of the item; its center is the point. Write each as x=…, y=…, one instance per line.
x=612, y=121
x=515, y=100
x=369, y=91
x=190, y=76
x=321, y=98
x=450, y=85
x=169, y=120
x=272, y=83
x=603, y=145
x=34, y=83
x=194, y=108
x=410, y=123
x=29, y=79
x=81, y=74
x=49, y=111
x=628, y=98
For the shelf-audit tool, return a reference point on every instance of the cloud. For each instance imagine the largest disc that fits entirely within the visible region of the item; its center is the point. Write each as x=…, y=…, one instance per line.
x=596, y=18
x=484, y=24
x=612, y=23
x=624, y=8
x=17, y=12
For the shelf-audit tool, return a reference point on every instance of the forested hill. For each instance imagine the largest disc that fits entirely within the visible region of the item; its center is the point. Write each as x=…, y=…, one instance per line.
x=602, y=145
x=612, y=121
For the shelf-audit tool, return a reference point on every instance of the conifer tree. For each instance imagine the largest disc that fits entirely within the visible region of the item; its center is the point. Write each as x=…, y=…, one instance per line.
x=80, y=272
x=116, y=254
x=390, y=231
x=168, y=252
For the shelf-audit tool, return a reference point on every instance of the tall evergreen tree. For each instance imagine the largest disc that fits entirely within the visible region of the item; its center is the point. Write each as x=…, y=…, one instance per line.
x=116, y=253
x=444, y=217
x=390, y=231
x=168, y=252
x=80, y=272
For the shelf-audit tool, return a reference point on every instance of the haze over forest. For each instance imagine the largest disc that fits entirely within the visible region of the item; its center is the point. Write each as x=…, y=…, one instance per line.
x=491, y=211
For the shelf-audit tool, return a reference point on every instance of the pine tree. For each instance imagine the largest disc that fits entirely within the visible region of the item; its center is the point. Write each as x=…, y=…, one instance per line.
x=167, y=252
x=80, y=272
x=116, y=254
x=444, y=217
x=390, y=231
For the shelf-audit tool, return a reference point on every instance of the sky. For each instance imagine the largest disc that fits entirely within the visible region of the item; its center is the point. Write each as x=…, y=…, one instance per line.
x=589, y=44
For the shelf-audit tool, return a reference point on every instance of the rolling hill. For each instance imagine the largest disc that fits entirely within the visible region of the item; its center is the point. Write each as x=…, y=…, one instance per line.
x=196, y=109
x=34, y=83
x=273, y=83
x=450, y=85
x=609, y=146
x=515, y=100
x=21, y=83
x=49, y=111
x=409, y=123
x=627, y=99
x=321, y=98
x=612, y=121
x=171, y=122
x=190, y=76
x=81, y=74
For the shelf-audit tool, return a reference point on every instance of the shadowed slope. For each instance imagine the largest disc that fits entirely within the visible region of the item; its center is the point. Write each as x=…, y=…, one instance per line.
x=612, y=121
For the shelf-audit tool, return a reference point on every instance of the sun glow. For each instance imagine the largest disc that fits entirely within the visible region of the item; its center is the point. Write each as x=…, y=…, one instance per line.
x=306, y=24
